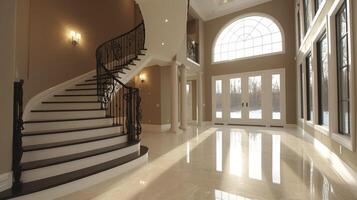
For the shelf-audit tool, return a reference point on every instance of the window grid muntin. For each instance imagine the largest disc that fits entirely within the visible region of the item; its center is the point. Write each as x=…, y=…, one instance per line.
x=323, y=88
x=309, y=86
x=247, y=42
x=301, y=93
x=318, y=4
x=307, y=15
x=340, y=67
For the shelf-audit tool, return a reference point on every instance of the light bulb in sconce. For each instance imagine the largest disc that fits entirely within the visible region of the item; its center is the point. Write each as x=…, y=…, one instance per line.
x=75, y=37
x=142, y=77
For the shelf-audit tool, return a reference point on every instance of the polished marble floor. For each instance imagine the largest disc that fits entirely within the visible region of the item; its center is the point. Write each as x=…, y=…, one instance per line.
x=229, y=163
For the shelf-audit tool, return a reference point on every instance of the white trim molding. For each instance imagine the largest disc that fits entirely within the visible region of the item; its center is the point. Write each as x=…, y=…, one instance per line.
x=155, y=128
x=5, y=181
x=290, y=126
x=240, y=17
x=327, y=24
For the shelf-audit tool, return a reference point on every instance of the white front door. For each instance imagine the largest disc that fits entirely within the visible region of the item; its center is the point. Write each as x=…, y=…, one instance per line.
x=254, y=98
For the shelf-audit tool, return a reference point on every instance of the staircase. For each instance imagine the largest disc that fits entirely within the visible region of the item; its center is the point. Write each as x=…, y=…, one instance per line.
x=86, y=130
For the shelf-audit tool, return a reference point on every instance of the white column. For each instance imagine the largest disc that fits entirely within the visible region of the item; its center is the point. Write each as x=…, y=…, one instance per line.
x=174, y=98
x=200, y=98
x=183, y=82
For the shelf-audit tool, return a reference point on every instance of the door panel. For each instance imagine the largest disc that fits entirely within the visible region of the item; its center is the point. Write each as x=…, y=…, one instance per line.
x=235, y=100
x=255, y=97
x=218, y=101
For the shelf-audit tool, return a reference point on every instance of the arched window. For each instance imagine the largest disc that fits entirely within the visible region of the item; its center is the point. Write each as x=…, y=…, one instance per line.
x=247, y=37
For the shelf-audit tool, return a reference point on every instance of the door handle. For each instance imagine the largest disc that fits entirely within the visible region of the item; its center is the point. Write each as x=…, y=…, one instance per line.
x=246, y=104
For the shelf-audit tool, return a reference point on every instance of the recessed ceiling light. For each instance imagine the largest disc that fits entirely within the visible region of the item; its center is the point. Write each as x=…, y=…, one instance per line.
x=166, y=20
x=163, y=43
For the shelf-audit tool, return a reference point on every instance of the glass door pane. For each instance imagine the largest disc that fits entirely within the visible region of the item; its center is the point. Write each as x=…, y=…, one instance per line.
x=276, y=96
x=219, y=99
x=236, y=98
x=255, y=97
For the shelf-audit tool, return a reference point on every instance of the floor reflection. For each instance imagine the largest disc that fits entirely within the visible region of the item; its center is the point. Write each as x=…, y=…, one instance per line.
x=230, y=163
x=221, y=195
x=255, y=156
x=263, y=161
x=235, y=153
x=276, y=159
x=219, y=148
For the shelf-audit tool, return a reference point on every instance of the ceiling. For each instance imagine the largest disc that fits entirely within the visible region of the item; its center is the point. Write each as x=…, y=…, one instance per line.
x=210, y=9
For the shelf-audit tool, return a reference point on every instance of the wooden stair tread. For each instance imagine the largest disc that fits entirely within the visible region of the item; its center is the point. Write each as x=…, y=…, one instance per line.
x=64, y=120
x=75, y=95
x=85, y=84
x=72, y=157
x=59, y=102
x=81, y=89
x=102, y=78
x=68, y=143
x=67, y=110
x=54, y=181
x=35, y=133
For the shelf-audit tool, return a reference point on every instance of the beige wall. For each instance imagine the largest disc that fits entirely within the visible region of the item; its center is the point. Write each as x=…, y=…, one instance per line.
x=165, y=94
x=52, y=59
x=155, y=94
x=283, y=12
x=150, y=95
x=7, y=77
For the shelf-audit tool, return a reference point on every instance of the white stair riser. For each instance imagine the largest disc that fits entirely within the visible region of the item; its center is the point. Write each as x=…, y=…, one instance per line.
x=79, y=92
x=45, y=172
x=47, y=126
x=87, y=182
x=75, y=98
x=66, y=115
x=69, y=136
x=68, y=106
x=71, y=149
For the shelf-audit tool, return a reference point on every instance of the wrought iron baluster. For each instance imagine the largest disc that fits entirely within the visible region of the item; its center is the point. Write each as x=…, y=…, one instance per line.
x=17, y=136
x=121, y=102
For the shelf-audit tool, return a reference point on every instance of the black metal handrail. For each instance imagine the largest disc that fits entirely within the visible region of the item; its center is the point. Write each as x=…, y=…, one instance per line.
x=17, y=135
x=121, y=102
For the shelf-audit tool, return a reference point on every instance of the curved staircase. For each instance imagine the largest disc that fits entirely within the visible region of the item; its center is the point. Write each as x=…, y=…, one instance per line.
x=88, y=130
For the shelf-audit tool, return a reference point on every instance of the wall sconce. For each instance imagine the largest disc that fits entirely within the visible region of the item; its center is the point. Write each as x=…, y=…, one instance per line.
x=142, y=77
x=76, y=37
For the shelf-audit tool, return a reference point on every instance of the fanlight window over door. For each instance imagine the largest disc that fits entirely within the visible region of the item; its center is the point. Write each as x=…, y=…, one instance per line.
x=247, y=37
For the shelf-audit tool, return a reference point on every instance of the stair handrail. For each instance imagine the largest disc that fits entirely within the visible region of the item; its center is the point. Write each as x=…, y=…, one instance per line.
x=121, y=101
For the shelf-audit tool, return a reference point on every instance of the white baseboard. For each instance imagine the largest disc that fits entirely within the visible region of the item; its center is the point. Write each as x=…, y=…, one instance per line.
x=290, y=126
x=5, y=181
x=207, y=123
x=155, y=127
